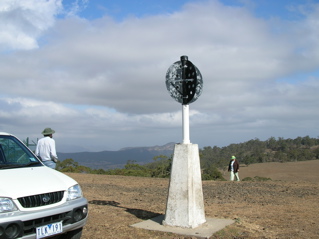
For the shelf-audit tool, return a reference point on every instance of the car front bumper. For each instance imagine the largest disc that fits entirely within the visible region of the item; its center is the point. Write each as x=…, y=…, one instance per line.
x=73, y=215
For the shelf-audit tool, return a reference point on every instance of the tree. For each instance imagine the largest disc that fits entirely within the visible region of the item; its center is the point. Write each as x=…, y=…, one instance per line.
x=133, y=169
x=210, y=172
x=161, y=167
x=67, y=165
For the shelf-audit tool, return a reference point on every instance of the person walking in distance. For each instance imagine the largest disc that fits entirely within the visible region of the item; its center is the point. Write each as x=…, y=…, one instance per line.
x=233, y=168
x=45, y=149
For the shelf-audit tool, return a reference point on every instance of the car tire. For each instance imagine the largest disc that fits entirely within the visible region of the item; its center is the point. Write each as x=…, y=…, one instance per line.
x=76, y=234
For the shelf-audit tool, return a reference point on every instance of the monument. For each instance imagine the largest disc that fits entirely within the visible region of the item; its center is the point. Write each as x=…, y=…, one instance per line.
x=185, y=213
x=185, y=204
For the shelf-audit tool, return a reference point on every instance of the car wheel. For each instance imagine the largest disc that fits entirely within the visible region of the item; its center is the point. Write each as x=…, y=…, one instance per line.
x=76, y=234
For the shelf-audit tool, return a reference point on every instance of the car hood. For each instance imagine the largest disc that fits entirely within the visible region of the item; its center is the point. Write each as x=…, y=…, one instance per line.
x=21, y=182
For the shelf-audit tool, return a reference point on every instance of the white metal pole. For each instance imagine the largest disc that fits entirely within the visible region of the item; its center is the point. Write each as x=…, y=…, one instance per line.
x=186, y=124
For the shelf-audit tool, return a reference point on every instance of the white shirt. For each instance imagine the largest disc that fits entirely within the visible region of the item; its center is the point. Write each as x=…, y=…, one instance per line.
x=232, y=166
x=46, y=149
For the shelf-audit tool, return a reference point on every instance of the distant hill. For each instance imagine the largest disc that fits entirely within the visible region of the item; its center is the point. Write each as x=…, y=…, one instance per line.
x=117, y=159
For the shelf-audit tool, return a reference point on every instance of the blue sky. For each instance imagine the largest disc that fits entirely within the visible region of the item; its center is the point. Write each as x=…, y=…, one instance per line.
x=119, y=10
x=94, y=70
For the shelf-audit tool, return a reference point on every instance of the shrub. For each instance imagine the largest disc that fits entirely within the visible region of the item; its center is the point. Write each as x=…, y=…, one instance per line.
x=256, y=179
x=248, y=179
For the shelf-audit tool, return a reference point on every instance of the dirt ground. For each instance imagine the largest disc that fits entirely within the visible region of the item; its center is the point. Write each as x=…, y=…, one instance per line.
x=285, y=207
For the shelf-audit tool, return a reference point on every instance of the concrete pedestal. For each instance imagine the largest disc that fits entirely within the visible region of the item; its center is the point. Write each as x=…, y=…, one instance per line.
x=185, y=203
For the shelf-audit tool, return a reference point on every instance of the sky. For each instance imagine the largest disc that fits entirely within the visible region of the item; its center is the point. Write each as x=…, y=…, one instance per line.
x=94, y=70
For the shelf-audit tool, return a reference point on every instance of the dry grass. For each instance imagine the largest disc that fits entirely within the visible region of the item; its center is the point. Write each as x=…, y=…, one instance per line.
x=285, y=207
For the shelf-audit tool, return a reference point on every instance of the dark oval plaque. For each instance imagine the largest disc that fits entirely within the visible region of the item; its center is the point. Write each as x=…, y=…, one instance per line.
x=184, y=81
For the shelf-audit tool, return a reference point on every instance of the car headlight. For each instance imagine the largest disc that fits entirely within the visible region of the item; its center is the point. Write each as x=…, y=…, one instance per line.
x=7, y=205
x=74, y=192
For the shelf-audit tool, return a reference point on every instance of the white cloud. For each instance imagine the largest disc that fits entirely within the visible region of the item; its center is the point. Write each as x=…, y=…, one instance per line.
x=22, y=22
x=105, y=81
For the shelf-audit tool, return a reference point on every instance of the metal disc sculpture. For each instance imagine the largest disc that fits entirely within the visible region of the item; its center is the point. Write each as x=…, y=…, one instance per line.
x=185, y=203
x=184, y=81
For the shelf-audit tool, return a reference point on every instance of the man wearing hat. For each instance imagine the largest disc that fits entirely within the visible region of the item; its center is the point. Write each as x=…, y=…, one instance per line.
x=45, y=149
x=233, y=168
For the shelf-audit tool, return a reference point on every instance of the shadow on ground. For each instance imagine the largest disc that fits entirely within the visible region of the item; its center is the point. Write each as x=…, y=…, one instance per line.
x=139, y=213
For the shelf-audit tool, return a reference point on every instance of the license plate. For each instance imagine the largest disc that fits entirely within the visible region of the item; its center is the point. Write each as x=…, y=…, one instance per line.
x=49, y=230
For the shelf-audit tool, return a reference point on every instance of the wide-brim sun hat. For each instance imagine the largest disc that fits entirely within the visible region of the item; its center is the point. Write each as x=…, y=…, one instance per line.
x=48, y=131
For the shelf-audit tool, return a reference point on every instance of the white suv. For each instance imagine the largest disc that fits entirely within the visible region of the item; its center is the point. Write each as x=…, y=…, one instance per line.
x=36, y=201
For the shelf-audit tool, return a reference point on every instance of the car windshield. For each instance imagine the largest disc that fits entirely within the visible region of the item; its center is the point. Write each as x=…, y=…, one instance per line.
x=14, y=154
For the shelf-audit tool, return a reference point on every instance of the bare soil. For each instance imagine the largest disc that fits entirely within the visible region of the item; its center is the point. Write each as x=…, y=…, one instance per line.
x=284, y=207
